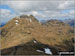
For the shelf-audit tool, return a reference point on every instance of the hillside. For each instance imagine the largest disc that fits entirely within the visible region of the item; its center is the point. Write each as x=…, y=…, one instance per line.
x=24, y=32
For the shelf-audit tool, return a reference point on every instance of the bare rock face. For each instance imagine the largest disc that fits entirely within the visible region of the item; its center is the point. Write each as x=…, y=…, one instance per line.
x=23, y=29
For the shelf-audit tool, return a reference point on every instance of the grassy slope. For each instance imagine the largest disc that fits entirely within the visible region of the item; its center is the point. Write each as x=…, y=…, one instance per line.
x=52, y=35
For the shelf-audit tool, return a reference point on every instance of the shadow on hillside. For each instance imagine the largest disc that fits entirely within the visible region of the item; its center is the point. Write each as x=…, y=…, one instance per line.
x=28, y=49
x=31, y=47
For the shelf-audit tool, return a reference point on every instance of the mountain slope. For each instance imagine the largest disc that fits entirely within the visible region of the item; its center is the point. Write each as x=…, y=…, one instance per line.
x=25, y=28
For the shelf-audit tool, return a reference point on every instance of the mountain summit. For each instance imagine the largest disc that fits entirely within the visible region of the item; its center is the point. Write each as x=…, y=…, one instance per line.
x=27, y=32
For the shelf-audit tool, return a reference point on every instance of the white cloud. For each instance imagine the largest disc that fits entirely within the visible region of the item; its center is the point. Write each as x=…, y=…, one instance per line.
x=24, y=5
x=63, y=5
x=5, y=15
x=49, y=8
x=72, y=12
x=4, y=12
x=67, y=5
x=35, y=13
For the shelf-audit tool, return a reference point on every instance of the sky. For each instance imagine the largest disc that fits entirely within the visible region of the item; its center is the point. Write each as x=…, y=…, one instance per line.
x=41, y=9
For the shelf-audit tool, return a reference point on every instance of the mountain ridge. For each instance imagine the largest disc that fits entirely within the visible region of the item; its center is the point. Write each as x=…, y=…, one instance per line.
x=23, y=29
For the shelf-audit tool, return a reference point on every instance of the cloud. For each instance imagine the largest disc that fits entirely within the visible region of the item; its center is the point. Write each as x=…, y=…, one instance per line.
x=35, y=13
x=49, y=8
x=72, y=12
x=67, y=5
x=5, y=12
x=38, y=13
x=5, y=15
x=30, y=5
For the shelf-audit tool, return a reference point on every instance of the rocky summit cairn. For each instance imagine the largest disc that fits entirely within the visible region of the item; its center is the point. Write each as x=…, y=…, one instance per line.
x=26, y=35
